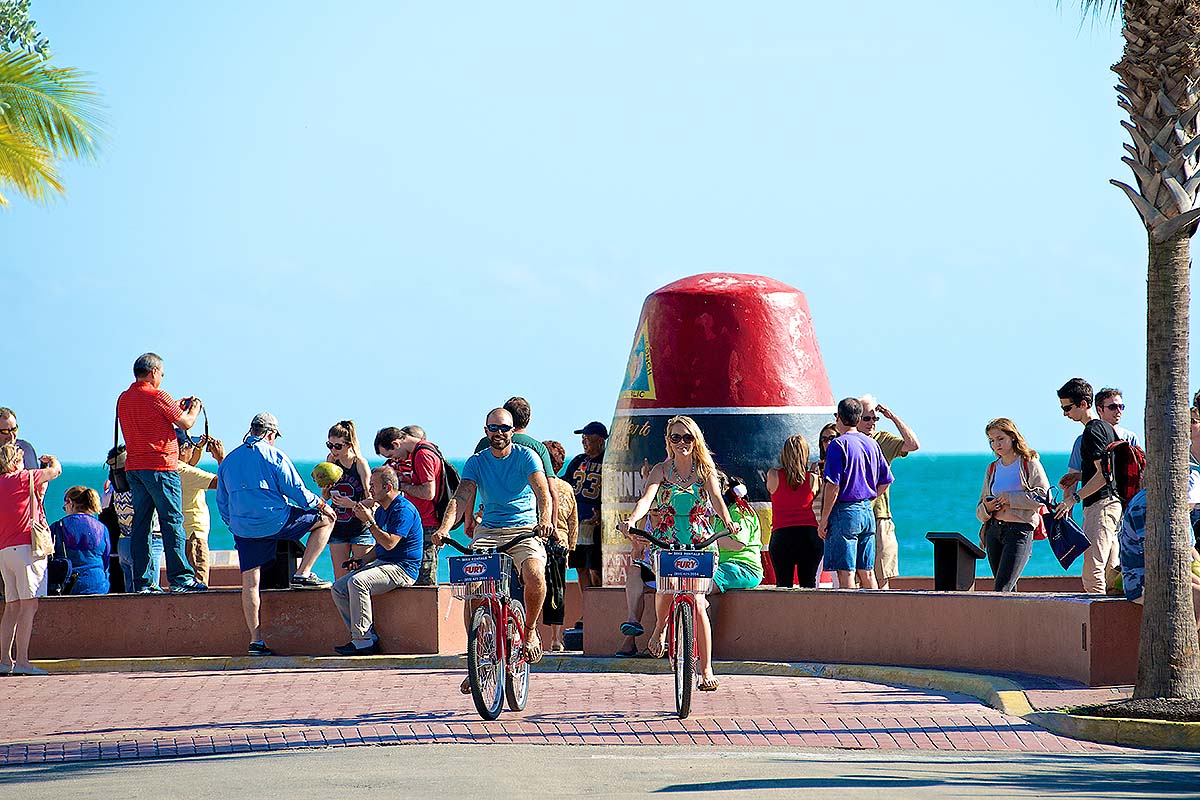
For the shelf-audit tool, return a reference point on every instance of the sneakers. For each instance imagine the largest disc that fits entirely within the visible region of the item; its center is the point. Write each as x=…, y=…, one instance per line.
x=150, y=590
x=259, y=649
x=351, y=649
x=309, y=581
x=189, y=588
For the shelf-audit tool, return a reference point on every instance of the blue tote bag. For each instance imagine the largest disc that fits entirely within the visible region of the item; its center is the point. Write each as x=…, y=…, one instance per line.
x=1065, y=536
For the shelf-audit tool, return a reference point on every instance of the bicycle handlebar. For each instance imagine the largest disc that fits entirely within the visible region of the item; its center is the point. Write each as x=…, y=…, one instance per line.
x=465, y=550
x=669, y=545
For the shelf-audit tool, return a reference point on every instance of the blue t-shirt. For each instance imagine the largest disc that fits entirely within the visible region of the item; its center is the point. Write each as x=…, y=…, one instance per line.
x=507, y=497
x=401, y=519
x=856, y=464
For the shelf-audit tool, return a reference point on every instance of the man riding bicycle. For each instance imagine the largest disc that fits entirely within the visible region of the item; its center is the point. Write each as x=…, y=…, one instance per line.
x=516, y=500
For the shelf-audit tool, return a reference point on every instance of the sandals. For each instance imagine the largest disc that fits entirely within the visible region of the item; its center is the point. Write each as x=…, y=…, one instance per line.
x=708, y=686
x=657, y=648
x=465, y=686
x=632, y=629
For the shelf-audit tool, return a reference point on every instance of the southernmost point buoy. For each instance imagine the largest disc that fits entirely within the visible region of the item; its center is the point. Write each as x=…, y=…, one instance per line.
x=737, y=353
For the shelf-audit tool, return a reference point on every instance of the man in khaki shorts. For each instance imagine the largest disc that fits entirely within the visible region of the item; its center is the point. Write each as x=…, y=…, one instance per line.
x=887, y=549
x=516, y=500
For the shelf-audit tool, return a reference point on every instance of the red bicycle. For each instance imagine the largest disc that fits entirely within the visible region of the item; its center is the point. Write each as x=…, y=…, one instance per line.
x=684, y=574
x=496, y=666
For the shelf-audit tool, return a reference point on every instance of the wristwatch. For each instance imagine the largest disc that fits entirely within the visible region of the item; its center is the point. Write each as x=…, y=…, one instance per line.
x=1074, y=497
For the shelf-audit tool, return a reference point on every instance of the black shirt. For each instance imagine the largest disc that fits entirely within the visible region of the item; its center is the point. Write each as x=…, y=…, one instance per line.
x=1097, y=436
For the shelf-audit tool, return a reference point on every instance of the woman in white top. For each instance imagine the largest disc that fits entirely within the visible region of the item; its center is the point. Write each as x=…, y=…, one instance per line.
x=1014, y=488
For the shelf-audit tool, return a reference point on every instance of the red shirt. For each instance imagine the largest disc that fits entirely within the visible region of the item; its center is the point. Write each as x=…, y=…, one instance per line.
x=15, y=522
x=424, y=466
x=792, y=507
x=148, y=418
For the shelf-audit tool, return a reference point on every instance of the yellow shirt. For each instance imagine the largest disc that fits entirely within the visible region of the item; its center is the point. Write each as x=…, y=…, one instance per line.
x=195, y=506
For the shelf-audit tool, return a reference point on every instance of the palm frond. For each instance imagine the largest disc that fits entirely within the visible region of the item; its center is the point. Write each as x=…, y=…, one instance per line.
x=56, y=107
x=1101, y=8
x=25, y=167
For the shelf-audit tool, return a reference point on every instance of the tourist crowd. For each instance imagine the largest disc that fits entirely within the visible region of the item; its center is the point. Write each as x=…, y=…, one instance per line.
x=830, y=512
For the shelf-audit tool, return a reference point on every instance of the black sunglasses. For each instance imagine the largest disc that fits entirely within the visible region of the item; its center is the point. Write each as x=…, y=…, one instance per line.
x=1115, y=406
x=686, y=438
x=1067, y=409
x=494, y=428
x=333, y=446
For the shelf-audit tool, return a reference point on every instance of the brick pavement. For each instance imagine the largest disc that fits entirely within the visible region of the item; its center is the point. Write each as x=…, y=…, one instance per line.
x=106, y=716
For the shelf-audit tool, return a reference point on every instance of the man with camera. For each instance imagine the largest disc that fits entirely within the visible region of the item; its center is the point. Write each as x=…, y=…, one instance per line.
x=148, y=418
x=396, y=525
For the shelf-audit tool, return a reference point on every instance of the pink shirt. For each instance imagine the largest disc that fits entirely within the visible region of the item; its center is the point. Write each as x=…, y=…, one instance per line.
x=15, y=522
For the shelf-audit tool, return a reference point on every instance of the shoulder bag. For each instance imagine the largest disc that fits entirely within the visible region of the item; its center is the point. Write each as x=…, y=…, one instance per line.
x=40, y=538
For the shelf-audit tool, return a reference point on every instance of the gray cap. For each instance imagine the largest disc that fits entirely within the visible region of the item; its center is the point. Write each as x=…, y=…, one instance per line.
x=265, y=422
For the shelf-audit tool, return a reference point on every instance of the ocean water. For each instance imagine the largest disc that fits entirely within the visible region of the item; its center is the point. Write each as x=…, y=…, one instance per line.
x=931, y=493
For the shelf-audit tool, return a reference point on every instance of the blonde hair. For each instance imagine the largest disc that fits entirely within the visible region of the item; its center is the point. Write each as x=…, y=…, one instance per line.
x=345, y=430
x=705, y=466
x=1007, y=426
x=11, y=458
x=793, y=460
x=84, y=499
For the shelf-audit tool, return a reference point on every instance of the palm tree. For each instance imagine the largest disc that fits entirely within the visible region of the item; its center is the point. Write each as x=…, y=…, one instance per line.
x=46, y=113
x=1160, y=91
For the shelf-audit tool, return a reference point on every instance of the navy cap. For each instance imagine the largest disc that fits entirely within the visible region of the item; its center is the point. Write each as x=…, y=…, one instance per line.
x=594, y=429
x=182, y=438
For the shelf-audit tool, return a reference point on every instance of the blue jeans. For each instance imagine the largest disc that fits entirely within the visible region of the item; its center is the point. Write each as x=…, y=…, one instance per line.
x=126, y=558
x=850, y=539
x=152, y=490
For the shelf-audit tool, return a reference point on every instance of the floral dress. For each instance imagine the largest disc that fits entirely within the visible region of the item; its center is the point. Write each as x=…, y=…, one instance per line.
x=681, y=513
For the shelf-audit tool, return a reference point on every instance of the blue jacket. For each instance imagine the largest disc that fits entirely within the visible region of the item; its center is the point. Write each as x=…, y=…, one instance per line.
x=256, y=485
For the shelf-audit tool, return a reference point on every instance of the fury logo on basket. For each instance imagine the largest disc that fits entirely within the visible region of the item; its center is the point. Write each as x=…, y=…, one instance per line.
x=474, y=569
x=687, y=564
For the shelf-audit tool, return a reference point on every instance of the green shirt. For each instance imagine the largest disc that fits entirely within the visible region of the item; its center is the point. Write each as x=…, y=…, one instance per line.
x=749, y=534
x=893, y=448
x=530, y=442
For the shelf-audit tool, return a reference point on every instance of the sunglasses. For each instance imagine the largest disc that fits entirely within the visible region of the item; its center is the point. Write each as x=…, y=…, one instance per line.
x=1067, y=408
x=8, y=431
x=333, y=446
x=1115, y=406
x=871, y=418
x=494, y=428
x=686, y=438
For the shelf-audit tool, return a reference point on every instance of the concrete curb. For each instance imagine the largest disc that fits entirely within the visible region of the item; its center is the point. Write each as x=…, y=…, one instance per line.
x=999, y=693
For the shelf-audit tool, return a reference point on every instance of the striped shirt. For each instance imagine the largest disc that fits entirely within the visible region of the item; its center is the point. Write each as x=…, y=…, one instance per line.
x=148, y=416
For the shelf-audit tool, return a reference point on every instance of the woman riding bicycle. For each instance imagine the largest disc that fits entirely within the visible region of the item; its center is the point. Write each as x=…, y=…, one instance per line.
x=684, y=495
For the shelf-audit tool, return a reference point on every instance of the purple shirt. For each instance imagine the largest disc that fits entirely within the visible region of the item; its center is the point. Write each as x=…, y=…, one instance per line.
x=856, y=464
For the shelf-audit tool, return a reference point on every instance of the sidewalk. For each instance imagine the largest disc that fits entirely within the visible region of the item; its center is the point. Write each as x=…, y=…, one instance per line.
x=133, y=715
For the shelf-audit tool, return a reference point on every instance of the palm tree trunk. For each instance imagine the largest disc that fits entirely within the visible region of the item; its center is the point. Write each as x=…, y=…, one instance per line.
x=1167, y=662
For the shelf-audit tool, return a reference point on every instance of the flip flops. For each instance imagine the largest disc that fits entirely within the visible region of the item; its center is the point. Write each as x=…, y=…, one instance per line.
x=465, y=686
x=533, y=651
x=632, y=628
x=708, y=686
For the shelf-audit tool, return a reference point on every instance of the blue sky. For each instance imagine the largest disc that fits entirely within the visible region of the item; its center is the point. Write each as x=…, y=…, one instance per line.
x=407, y=212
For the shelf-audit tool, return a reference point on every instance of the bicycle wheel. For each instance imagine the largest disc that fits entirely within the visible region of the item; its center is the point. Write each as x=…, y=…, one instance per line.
x=484, y=667
x=685, y=665
x=516, y=677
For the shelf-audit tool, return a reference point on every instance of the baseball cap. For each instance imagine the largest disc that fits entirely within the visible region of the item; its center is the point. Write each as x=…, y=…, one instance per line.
x=594, y=429
x=182, y=438
x=266, y=421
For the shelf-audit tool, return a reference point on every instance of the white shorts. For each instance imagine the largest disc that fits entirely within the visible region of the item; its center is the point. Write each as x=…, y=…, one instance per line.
x=24, y=577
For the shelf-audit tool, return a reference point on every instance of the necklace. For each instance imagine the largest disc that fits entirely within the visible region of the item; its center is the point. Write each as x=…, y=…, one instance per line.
x=679, y=479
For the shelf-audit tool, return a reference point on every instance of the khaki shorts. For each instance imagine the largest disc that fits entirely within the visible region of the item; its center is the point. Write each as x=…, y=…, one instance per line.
x=24, y=576
x=520, y=552
x=887, y=550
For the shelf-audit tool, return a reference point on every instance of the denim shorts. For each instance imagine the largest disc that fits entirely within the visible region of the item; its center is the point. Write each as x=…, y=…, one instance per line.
x=850, y=541
x=254, y=553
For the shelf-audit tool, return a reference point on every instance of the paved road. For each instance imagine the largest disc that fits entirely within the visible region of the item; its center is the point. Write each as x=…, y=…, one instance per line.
x=154, y=715
x=618, y=771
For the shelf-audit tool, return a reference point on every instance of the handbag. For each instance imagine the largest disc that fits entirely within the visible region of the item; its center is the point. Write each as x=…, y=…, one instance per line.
x=40, y=538
x=556, y=570
x=1065, y=536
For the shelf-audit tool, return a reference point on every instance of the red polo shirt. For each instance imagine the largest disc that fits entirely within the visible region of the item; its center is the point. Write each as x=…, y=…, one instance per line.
x=148, y=418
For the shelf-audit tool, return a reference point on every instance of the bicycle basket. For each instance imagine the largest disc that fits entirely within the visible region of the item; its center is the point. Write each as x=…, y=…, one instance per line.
x=479, y=576
x=684, y=570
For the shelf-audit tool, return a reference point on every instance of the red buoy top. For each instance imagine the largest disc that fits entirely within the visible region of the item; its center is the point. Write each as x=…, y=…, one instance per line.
x=723, y=340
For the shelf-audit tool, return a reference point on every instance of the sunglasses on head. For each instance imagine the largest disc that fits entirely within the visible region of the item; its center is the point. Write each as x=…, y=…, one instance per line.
x=1115, y=406
x=494, y=428
x=686, y=438
x=334, y=446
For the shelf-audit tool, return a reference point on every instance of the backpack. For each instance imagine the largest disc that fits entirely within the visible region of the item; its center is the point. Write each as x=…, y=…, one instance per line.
x=449, y=482
x=1123, y=465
